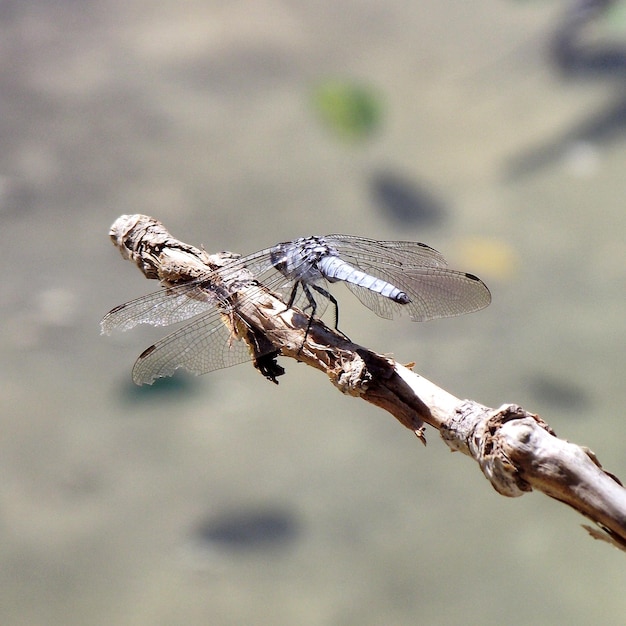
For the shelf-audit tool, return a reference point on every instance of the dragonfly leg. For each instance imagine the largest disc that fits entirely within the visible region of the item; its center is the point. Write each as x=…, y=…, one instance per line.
x=306, y=289
x=328, y=295
x=312, y=305
x=293, y=294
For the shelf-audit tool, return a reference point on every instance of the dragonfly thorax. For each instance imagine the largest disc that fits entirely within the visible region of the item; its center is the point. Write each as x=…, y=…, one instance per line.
x=298, y=259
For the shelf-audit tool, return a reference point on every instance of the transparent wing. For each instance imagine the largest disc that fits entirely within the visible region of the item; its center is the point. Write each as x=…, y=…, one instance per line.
x=171, y=305
x=434, y=293
x=204, y=345
x=415, y=268
x=420, y=271
x=162, y=308
x=359, y=250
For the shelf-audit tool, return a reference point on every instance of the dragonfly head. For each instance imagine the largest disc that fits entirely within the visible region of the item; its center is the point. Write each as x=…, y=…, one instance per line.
x=280, y=258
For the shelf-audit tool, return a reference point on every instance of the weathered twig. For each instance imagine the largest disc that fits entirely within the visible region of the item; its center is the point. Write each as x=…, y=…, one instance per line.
x=516, y=450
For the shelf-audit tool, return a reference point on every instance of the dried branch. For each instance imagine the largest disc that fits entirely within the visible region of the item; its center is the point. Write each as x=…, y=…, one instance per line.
x=517, y=451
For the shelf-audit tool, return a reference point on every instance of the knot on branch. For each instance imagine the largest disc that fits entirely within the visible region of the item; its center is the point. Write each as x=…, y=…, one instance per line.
x=478, y=432
x=500, y=447
x=351, y=376
x=493, y=455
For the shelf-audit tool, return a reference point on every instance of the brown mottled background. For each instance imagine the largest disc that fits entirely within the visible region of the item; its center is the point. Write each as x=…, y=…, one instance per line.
x=226, y=500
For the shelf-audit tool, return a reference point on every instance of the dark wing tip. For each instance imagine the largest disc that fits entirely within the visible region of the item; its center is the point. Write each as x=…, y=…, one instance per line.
x=105, y=327
x=485, y=289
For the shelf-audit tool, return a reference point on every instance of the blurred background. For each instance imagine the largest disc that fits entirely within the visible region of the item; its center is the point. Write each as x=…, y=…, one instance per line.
x=493, y=130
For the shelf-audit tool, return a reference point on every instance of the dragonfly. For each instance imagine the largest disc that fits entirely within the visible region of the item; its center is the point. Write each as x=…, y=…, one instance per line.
x=391, y=278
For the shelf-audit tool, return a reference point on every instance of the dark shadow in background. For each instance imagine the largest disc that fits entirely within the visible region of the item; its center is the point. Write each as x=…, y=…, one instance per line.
x=247, y=529
x=178, y=387
x=558, y=393
x=404, y=201
x=576, y=59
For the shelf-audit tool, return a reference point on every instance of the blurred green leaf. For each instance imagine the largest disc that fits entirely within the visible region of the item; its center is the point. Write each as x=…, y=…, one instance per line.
x=349, y=110
x=615, y=16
